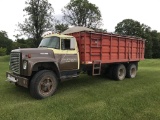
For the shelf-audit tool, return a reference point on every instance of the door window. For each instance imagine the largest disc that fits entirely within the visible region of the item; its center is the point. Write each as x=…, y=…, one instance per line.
x=68, y=44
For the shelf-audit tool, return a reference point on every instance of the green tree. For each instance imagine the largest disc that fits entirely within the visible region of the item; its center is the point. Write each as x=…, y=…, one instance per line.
x=5, y=42
x=146, y=34
x=159, y=35
x=2, y=51
x=156, y=44
x=82, y=13
x=129, y=27
x=39, y=18
x=20, y=43
x=23, y=43
x=60, y=27
x=134, y=28
x=100, y=30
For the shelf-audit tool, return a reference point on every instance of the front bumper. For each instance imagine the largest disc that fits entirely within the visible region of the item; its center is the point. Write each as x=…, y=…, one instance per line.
x=22, y=81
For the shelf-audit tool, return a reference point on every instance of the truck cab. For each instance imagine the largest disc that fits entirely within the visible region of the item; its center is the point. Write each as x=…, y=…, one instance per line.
x=65, y=50
x=41, y=69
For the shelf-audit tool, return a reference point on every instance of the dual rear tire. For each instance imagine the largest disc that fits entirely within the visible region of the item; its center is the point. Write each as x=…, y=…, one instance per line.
x=120, y=71
x=131, y=71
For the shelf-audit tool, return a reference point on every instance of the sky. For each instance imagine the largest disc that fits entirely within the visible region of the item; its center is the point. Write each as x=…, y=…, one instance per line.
x=113, y=12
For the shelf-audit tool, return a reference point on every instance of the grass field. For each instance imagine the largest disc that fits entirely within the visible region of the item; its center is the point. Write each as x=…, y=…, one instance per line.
x=87, y=98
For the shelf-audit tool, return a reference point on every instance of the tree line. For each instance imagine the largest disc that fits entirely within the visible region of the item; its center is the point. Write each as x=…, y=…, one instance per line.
x=39, y=18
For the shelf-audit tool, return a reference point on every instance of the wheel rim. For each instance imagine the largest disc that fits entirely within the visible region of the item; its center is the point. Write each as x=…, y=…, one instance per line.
x=133, y=72
x=121, y=73
x=46, y=86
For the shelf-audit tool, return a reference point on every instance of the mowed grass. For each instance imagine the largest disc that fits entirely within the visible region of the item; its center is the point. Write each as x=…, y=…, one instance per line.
x=87, y=98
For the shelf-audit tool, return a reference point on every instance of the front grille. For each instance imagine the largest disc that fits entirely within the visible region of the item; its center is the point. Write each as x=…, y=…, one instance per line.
x=15, y=62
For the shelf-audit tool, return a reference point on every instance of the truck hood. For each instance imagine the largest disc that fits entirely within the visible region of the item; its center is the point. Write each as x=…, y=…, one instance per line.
x=35, y=52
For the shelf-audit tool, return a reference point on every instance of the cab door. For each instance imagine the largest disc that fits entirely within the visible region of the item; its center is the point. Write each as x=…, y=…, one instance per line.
x=69, y=55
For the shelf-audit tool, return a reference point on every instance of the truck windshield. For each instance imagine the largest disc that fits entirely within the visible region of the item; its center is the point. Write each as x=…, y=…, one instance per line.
x=50, y=42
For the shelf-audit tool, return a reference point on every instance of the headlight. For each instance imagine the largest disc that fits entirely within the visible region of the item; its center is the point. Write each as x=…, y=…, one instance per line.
x=24, y=65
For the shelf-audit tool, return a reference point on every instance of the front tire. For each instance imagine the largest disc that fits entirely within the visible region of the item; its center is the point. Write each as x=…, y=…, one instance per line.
x=43, y=84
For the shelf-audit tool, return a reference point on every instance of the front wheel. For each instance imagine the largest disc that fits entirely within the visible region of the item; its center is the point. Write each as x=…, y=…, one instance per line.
x=43, y=84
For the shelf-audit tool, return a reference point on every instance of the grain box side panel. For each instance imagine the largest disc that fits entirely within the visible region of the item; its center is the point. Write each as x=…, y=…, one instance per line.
x=109, y=48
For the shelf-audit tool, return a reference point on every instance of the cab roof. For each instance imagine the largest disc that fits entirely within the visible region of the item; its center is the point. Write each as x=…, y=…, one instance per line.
x=58, y=35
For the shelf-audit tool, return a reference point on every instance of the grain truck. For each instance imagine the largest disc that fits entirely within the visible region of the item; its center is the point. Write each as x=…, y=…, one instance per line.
x=60, y=57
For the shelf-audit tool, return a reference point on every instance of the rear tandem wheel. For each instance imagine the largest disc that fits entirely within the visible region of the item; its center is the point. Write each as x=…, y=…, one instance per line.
x=131, y=71
x=119, y=72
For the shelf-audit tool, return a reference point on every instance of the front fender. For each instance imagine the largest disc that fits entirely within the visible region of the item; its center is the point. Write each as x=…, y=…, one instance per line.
x=36, y=64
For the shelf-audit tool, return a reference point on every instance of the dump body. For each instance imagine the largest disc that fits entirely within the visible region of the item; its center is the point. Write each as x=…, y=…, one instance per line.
x=108, y=48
